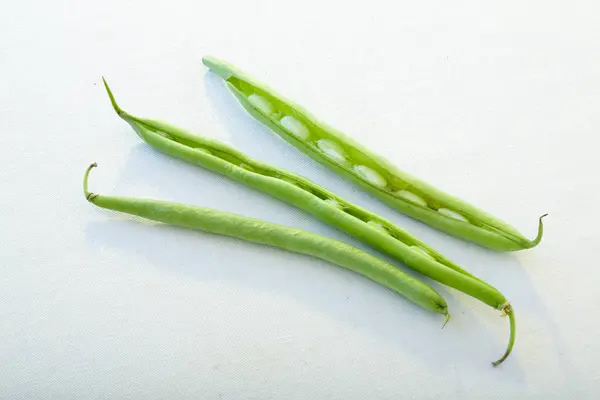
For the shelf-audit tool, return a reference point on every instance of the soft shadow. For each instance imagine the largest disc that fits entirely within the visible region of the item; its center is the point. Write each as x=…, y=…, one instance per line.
x=360, y=304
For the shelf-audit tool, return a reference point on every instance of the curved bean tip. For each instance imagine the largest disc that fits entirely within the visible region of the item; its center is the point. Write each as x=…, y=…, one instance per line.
x=447, y=319
x=540, y=233
x=88, y=195
x=507, y=309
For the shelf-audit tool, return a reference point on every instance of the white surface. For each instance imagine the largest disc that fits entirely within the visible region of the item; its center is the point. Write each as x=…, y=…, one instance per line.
x=496, y=103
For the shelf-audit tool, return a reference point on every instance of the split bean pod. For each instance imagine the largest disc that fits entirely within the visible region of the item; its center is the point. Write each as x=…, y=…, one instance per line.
x=371, y=172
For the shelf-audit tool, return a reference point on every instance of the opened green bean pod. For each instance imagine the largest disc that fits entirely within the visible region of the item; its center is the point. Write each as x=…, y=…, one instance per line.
x=304, y=194
x=283, y=237
x=371, y=172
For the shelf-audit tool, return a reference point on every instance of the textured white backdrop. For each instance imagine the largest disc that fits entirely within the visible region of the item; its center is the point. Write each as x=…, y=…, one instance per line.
x=497, y=103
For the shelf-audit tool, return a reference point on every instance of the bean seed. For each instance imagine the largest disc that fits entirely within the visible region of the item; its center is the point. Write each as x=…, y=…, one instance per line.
x=422, y=251
x=370, y=175
x=452, y=214
x=378, y=226
x=332, y=149
x=295, y=127
x=261, y=103
x=334, y=203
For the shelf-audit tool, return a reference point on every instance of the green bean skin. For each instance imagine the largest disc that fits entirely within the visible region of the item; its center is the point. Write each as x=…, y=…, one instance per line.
x=313, y=199
x=474, y=224
x=294, y=240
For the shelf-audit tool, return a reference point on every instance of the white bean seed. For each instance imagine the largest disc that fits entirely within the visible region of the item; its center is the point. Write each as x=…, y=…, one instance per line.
x=261, y=103
x=411, y=197
x=371, y=175
x=422, y=251
x=334, y=203
x=377, y=226
x=452, y=214
x=332, y=149
x=295, y=126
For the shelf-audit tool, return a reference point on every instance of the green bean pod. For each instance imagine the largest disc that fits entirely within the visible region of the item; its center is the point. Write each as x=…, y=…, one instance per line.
x=374, y=230
x=294, y=240
x=371, y=172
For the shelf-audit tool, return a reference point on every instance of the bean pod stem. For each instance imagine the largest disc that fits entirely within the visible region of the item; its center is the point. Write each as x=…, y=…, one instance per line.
x=508, y=310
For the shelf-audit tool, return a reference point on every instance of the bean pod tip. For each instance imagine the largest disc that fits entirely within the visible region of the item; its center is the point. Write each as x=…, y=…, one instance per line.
x=507, y=309
x=447, y=319
x=88, y=195
x=113, y=101
x=540, y=232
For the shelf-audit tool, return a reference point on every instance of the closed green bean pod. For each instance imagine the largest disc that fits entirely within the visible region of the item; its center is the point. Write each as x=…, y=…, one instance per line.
x=379, y=233
x=371, y=172
x=291, y=239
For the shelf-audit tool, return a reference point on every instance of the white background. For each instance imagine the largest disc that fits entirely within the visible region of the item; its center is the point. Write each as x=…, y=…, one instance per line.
x=497, y=103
